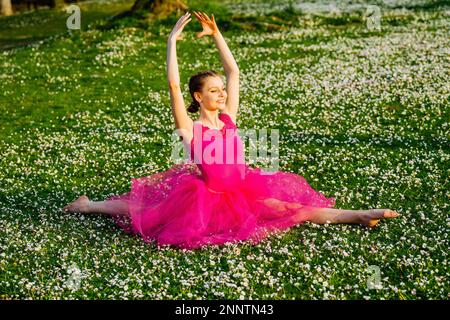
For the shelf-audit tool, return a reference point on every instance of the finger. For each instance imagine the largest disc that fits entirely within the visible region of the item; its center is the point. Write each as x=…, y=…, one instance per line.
x=206, y=16
x=186, y=22
x=186, y=16
x=181, y=23
x=200, y=34
x=198, y=14
x=214, y=21
x=182, y=18
x=199, y=17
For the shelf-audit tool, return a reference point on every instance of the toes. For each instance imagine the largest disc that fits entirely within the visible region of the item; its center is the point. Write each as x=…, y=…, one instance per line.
x=74, y=206
x=383, y=213
x=390, y=214
x=377, y=214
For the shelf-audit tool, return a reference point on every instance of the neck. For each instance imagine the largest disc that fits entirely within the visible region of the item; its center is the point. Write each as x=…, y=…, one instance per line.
x=210, y=118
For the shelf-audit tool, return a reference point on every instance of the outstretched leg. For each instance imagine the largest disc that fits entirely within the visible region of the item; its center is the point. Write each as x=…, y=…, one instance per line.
x=368, y=218
x=111, y=207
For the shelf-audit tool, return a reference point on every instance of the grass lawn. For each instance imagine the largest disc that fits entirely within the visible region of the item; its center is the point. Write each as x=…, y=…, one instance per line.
x=363, y=115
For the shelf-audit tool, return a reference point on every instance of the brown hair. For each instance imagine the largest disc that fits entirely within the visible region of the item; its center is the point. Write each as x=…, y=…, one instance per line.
x=196, y=83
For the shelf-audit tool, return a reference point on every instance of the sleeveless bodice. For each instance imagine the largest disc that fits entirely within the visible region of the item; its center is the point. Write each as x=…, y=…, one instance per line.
x=219, y=154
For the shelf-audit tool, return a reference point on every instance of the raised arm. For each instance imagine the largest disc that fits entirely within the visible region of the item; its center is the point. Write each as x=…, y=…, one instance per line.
x=229, y=64
x=182, y=121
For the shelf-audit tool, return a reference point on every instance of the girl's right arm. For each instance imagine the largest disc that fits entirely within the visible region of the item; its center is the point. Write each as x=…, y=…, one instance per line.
x=182, y=121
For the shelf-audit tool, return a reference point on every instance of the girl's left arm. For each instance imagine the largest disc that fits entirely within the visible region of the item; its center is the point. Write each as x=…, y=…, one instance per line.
x=229, y=64
x=232, y=73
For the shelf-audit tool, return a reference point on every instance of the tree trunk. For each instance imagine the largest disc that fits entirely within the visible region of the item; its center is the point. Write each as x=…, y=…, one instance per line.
x=57, y=3
x=158, y=8
x=5, y=8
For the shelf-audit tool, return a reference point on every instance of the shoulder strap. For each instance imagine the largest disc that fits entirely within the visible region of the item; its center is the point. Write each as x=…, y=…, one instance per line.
x=225, y=117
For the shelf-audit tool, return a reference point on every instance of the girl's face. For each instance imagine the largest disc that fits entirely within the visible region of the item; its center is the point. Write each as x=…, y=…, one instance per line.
x=213, y=95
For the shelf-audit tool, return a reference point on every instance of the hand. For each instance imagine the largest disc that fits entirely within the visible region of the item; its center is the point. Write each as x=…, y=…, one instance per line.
x=209, y=26
x=181, y=23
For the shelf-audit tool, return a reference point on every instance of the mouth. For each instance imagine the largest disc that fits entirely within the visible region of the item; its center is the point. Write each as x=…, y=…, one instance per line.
x=221, y=101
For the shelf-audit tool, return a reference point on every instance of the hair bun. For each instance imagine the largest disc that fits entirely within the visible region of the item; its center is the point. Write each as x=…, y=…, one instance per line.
x=194, y=107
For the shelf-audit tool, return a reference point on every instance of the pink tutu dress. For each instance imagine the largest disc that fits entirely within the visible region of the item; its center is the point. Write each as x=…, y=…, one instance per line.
x=216, y=198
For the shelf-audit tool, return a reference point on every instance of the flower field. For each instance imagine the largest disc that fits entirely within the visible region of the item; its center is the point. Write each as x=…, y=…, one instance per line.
x=362, y=107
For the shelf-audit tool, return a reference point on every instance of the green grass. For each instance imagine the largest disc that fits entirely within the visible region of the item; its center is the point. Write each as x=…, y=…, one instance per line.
x=32, y=26
x=362, y=116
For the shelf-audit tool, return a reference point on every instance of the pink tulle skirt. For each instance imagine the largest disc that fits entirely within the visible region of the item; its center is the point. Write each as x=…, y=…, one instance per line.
x=176, y=207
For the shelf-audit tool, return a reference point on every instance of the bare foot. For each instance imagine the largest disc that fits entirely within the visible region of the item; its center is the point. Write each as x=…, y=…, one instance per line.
x=80, y=205
x=373, y=216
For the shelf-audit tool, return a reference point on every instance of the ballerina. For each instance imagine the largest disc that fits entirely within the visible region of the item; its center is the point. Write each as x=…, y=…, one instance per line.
x=204, y=203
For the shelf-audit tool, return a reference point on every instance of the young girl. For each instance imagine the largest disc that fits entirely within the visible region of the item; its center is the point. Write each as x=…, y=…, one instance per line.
x=214, y=202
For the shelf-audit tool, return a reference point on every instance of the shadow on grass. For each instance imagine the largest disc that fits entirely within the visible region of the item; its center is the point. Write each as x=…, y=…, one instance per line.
x=30, y=27
x=432, y=5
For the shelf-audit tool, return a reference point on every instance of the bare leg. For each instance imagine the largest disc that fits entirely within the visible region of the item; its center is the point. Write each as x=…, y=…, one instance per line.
x=114, y=207
x=111, y=207
x=368, y=218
